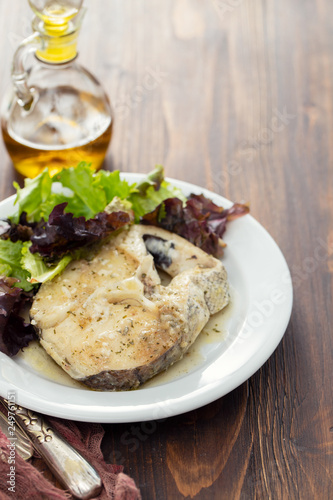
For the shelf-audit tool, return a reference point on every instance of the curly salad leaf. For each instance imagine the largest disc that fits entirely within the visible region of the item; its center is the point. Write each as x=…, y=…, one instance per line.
x=200, y=221
x=14, y=332
x=10, y=263
x=87, y=193
x=63, y=233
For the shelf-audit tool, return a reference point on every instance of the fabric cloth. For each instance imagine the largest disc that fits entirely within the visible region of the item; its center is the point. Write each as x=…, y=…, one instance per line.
x=86, y=438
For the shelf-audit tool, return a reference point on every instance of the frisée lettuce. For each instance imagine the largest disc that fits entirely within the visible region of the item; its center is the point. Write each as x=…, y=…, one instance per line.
x=87, y=193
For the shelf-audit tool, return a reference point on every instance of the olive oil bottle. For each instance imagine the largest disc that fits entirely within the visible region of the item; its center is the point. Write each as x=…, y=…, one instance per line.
x=57, y=113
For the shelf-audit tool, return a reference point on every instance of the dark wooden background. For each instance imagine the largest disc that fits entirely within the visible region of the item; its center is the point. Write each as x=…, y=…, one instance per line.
x=240, y=101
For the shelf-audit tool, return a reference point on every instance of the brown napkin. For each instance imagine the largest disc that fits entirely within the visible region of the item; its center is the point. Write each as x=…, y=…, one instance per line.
x=86, y=438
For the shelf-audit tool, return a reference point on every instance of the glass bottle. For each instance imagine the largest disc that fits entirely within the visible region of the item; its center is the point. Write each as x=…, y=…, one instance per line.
x=57, y=113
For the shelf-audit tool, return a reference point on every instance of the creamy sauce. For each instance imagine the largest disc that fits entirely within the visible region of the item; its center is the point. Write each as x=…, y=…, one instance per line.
x=37, y=358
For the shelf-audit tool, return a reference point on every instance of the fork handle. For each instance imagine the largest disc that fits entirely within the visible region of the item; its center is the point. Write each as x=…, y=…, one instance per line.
x=69, y=467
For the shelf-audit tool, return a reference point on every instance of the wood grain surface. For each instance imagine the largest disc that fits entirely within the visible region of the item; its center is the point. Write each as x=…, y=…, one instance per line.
x=236, y=96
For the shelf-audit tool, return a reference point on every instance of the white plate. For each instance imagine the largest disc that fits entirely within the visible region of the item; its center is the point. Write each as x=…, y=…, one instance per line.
x=258, y=317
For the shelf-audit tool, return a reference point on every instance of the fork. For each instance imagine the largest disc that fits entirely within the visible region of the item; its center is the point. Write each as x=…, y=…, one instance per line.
x=22, y=444
x=70, y=468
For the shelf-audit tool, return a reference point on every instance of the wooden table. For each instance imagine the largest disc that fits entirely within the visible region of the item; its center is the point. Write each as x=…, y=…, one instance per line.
x=241, y=104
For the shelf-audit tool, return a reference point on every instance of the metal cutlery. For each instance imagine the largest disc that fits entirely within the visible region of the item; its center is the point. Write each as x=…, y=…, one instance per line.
x=22, y=444
x=69, y=467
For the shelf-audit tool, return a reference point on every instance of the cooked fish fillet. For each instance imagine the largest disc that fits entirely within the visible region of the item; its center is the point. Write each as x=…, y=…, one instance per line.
x=110, y=323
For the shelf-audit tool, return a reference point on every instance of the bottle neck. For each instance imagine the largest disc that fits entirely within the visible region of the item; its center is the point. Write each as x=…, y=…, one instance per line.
x=51, y=48
x=59, y=43
x=57, y=50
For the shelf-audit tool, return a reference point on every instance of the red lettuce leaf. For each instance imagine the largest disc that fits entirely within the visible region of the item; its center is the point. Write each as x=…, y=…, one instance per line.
x=15, y=232
x=63, y=232
x=200, y=221
x=14, y=332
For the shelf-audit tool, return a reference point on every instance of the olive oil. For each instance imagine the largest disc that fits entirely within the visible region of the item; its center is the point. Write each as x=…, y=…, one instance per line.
x=57, y=113
x=81, y=132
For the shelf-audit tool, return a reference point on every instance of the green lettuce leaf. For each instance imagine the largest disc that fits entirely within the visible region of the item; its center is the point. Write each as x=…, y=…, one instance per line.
x=143, y=204
x=37, y=268
x=113, y=186
x=88, y=197
x=87, y=193
x=38, y=197
x=75, y=186
x=10, y=263
x=5, y=269
x=32, y=197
